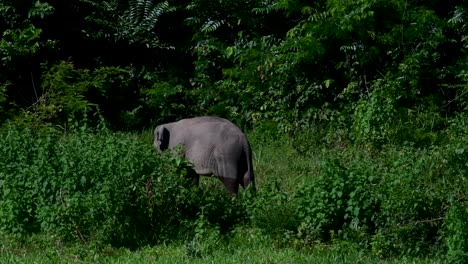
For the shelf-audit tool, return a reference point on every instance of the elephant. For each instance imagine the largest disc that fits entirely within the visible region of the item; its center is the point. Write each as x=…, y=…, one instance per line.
x=214, y=146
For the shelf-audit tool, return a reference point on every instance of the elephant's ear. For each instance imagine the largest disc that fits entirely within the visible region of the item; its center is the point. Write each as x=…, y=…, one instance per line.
x=163, y=138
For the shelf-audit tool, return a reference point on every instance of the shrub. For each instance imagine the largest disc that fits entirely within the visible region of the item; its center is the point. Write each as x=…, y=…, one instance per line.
x=457, y=232
x=108, y=187
x=414, y=194
x=336, y=198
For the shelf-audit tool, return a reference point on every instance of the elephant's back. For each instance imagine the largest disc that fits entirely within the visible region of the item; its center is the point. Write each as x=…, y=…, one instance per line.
x=210, y=125
x=205, y=120
x=215, y=134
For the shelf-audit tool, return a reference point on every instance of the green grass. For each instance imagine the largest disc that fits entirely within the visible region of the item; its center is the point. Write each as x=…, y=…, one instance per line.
x=245, y=247
x=316, y=203
x=275, y=159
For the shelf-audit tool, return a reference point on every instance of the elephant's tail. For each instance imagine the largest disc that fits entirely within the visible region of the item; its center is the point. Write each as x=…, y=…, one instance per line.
x=249, y=177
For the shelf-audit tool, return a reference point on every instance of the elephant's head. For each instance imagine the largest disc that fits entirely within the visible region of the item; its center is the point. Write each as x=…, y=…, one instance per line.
x=161, y=138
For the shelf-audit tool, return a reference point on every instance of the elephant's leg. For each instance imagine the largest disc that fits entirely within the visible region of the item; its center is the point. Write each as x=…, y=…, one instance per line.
x=195, y=179
x=192, y=174
x=246, y=181
x=228, y=174
x=231, y=185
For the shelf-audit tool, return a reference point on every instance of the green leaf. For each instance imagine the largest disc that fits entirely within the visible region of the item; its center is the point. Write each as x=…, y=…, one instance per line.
x=229, y=51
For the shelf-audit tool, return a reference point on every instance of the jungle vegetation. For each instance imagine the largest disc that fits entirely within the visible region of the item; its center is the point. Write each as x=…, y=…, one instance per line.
x=357, y=112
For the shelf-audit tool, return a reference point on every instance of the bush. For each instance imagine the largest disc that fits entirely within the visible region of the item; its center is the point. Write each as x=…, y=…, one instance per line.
x=342, y=197
x=111, y=188
x=393, y=201
x=105, y=187
x=457, y=232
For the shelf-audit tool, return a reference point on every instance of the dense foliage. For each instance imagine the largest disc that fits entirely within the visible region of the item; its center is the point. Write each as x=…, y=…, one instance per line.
x=370, y=95
x=103, y=187
x=111, y=189
x=384, y=71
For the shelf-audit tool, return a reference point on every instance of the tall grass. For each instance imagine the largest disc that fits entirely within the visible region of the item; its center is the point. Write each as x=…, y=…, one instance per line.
x=394, y=201
x=102, y=189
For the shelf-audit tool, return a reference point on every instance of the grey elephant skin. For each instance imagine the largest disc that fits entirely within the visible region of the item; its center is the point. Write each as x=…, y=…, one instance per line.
x=214, y=146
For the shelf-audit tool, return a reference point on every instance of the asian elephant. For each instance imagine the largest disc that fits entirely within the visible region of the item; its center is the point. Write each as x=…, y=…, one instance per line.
x=214, y=146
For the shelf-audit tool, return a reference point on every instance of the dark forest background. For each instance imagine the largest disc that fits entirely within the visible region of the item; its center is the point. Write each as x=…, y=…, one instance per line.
x=378, y=71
